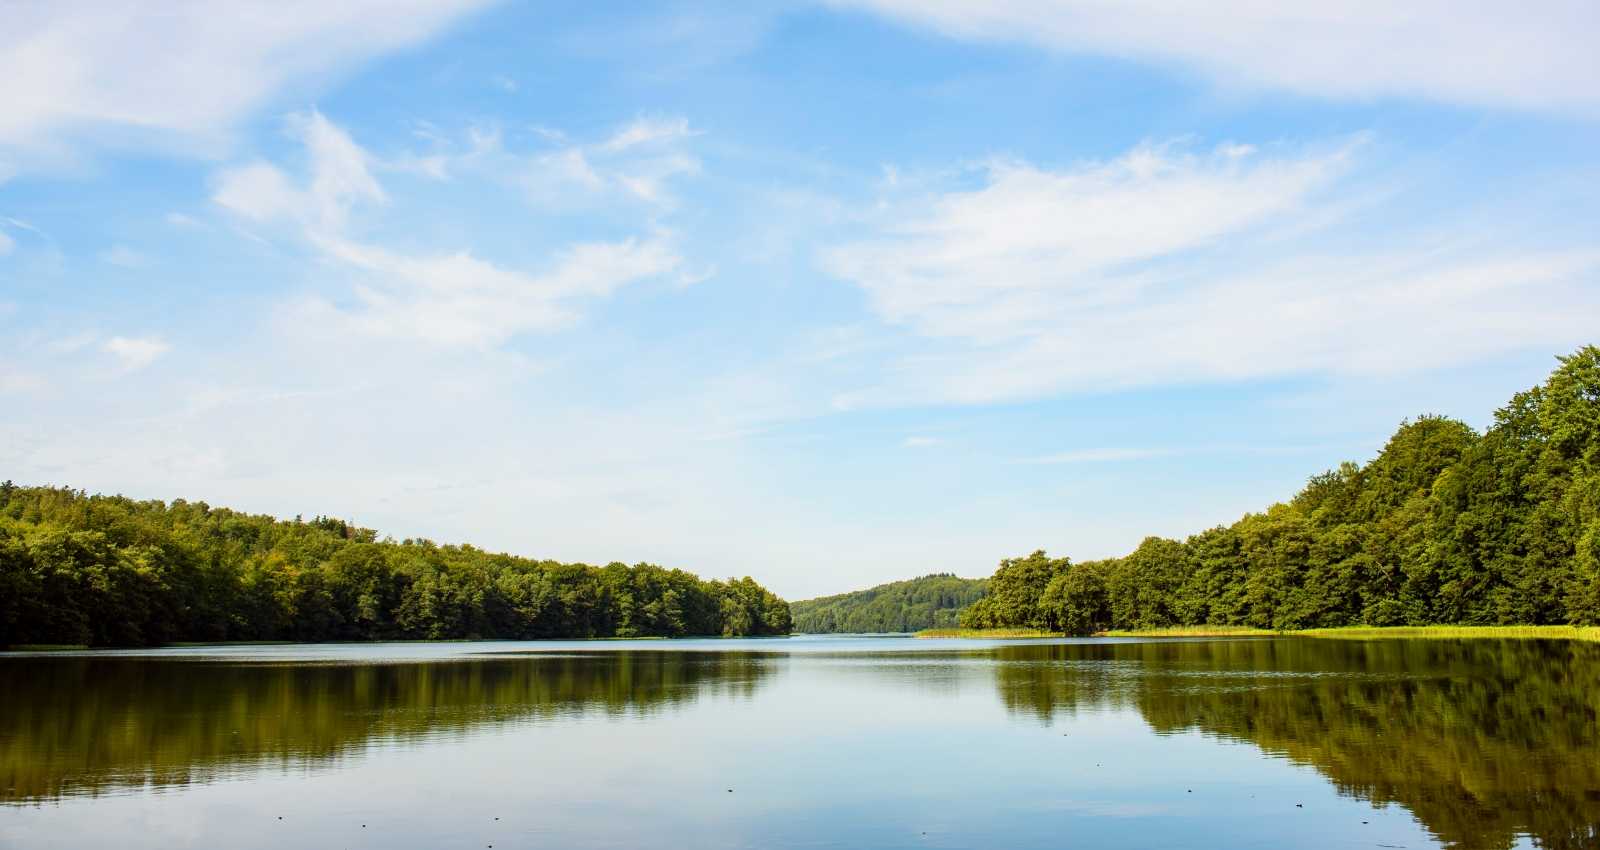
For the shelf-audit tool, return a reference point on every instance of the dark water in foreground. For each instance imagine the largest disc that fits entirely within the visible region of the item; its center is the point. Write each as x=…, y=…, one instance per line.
x=825, y=742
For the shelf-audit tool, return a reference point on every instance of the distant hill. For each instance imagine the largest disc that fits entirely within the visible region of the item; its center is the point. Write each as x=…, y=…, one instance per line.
x=932, y=601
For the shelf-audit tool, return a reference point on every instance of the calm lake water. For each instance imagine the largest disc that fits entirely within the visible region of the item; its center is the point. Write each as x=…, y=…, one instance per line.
x=804, y=742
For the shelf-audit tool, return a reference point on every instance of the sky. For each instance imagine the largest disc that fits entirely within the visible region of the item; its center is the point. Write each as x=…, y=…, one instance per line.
x=828, y=294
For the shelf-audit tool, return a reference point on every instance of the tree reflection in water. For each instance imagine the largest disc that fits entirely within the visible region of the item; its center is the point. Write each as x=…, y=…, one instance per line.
x=71, y=726
x=1481, y=740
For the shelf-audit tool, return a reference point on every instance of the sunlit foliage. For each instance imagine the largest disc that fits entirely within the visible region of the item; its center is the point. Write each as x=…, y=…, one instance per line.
x=1444, y=526
x=111, y=571
x=929, y=602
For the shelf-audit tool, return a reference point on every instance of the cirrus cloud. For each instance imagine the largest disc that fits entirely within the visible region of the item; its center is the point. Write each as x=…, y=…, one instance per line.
x=1536, y=55
x=1168, y=267
x=81, y=72
x=451, y=299
x=135, y=353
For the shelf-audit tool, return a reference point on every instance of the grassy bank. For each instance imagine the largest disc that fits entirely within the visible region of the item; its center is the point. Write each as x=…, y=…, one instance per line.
x=1177, y=631
x=1191, y=631
x=987, y=633
x=1590, y=633
x=1442, y=632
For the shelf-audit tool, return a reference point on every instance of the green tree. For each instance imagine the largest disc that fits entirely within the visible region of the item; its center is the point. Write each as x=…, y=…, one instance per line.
x=106, y=570
x=1014, y=591
x=1444, y=525
x=1076, y=600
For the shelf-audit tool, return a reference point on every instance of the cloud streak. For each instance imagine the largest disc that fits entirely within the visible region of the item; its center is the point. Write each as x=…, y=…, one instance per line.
x=1104, y=455
x=134, y=353
x=1004, y=259
x=448, y=299
x=1537, y=56
x=459, y=299
x=1166, y=267
x=82, y=73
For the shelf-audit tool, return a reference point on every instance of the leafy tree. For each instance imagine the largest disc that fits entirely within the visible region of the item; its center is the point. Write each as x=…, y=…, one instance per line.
x=111, y=571
x=1014, y=591
x=932, y=601
x=1143, y=587
x=1076, y=600
x=1445, y=525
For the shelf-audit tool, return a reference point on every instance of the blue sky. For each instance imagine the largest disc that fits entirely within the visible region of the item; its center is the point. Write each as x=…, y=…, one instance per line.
x=828, y=294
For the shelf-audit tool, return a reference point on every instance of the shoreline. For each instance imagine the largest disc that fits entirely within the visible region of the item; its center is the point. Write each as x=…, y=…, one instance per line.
x=1582, y=633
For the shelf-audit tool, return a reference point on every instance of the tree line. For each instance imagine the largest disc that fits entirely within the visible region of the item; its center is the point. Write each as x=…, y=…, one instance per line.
x=111, y=571
x=1445, y=526
x=930, y=602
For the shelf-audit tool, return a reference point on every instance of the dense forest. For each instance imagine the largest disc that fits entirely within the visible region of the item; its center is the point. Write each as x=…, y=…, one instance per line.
x=1445, y=525
x=929, y=602
x=111, y=571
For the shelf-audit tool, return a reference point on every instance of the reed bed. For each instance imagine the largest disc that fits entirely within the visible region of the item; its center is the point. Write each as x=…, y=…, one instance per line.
x=1585, y=633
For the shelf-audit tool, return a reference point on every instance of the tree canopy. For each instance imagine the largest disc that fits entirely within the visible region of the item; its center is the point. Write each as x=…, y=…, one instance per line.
x=1444, y=526
x=929, y=602
x=112, y=571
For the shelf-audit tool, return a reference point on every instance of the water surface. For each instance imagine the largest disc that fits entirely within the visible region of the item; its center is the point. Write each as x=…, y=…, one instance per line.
x=807, y=743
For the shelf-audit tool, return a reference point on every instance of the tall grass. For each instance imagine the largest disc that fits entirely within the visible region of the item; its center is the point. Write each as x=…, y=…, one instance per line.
x=1587, y=633
x=987, y=633
x=1522, y=632
x=1189, y=631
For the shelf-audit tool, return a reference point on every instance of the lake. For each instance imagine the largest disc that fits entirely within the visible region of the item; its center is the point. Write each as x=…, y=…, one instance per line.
x=806, y=742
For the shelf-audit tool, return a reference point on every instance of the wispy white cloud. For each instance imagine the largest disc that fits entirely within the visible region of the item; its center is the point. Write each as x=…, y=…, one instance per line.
x=340, y=174
x=21, y=225
x=340, y=177
x=1478, y=52
x=639, y=161
x=1011, y=256
x=259, y=192
x=1156, y=268
x=90, y=73
x=184, y=221
x=645, y=131
x=1354, y=316
x=459, y=299
x=918, y=441
x=552, y=175
x=454, y=299
x=1101, y=455
x=8, y=243
x=124, y=257
x=447, y=157
x=1131, y=454
x=134, y=353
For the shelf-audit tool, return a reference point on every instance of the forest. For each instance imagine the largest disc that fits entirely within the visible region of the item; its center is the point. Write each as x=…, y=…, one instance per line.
x=930, y=602
x=1445, y=526
x=111, y=571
